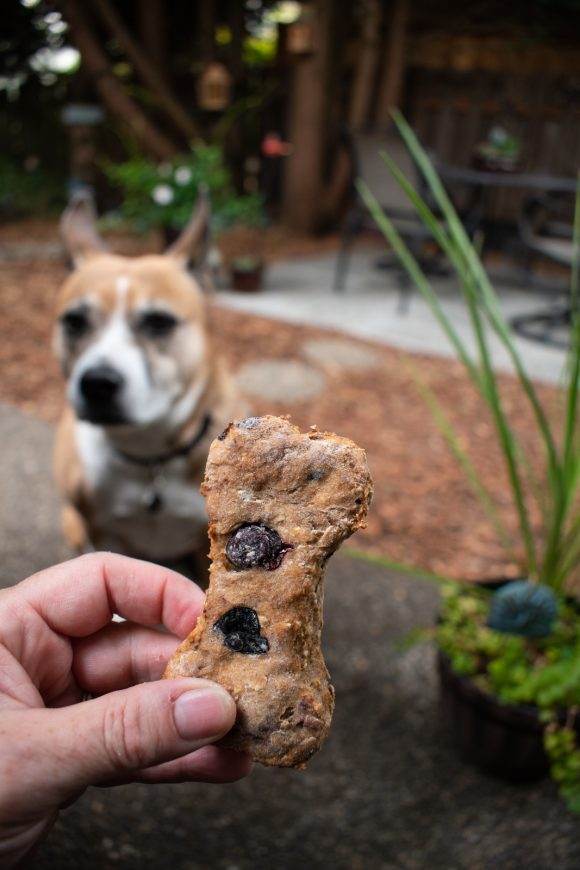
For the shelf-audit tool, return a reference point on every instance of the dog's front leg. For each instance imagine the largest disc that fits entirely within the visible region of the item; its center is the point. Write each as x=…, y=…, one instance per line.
x=75, y=529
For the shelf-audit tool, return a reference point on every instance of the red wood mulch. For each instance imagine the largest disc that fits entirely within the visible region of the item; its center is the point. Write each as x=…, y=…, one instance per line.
x=423, y=513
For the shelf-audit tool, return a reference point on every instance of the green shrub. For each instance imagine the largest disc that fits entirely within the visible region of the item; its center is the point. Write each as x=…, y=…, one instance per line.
x=542, y=671
x=25, y=192
x=163, y=195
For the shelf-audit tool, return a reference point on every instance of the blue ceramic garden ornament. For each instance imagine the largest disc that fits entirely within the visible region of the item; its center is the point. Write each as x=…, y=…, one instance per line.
x=523, y=608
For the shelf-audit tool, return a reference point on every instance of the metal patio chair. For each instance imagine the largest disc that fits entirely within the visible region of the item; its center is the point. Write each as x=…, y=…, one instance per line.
x=366, y=163
x=546, y=231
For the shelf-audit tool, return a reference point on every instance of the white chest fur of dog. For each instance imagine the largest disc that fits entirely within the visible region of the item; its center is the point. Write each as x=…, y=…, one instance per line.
x=146, y=395
x=121, y=498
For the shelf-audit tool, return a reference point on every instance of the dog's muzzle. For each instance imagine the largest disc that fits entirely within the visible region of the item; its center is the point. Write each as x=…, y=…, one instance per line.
x=100, y=389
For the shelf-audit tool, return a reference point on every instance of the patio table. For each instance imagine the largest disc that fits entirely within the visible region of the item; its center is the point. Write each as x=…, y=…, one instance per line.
x=484, y=181
x=543, y=326
x=486, y=178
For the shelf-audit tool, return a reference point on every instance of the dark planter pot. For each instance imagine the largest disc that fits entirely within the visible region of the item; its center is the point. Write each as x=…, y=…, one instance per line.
x=503, y=739
x=247, y=280
x=499, y=164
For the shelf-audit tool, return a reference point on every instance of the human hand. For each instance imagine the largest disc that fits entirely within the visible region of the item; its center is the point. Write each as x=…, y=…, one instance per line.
x=58, y=643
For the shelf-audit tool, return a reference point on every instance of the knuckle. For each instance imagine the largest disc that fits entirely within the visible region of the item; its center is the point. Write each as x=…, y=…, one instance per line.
x=127, y=739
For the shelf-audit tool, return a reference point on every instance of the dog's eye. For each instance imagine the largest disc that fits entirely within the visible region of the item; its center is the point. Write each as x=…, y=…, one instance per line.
x=75, y=323
x=156, y=324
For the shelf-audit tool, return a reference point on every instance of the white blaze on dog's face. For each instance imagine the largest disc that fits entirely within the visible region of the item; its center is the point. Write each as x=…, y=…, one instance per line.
x=131, y=338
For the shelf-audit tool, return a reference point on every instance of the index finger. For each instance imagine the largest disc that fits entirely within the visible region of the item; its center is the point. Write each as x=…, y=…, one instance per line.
x=79, y=597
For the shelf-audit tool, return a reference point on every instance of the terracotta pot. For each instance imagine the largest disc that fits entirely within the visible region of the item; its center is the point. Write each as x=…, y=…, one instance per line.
x=505, y=740
x=247, y=280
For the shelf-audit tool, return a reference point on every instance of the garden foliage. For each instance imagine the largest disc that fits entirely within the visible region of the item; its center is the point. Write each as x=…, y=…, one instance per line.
x=542, y=671
x=163, y=195
x=522, y=644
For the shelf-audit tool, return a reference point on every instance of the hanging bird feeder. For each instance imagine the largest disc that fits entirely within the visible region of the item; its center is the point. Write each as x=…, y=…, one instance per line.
x=214, y=88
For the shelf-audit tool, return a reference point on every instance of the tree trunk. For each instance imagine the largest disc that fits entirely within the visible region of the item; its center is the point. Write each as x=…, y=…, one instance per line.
x=303, y=180
x=366, y=68
x=392, y=83
x=110, y=90
x=236, y=20
x=153, y=31
x=148, y=71
x=206, y=25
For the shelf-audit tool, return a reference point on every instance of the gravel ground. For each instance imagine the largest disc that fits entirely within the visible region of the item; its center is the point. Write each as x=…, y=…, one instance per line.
x=386, y=791
x=424, y=512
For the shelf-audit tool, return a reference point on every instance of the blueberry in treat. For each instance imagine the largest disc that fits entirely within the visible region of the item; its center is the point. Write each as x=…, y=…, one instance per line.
x=254, y=545
x=239, y=619
x=246, y=643
x=241, y=629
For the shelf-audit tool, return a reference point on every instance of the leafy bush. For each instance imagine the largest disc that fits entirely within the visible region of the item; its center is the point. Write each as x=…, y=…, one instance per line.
x=163, y=195
x=561, y=746
x=544, y=671
x=26, y=192
x=519, y=670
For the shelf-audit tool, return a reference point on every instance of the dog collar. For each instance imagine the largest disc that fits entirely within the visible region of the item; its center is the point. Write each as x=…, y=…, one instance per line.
x=162, y=458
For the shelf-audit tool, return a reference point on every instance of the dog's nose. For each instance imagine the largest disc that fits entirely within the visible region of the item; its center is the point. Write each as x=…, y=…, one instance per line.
x=100, y=384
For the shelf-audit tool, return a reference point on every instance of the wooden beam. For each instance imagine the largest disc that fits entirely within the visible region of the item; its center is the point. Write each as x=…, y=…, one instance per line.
x=237, y=24
x=391, y=89
x=148, y=69
x=153, y=31
x=206, y=21
x=307, y=127
x=109, y=88
x=366, y=66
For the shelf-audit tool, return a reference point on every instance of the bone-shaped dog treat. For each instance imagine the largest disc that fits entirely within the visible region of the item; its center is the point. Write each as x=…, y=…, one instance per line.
x=279, y=504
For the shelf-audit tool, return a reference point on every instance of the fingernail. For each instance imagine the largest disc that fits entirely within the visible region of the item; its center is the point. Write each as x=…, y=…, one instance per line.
x=203, y=713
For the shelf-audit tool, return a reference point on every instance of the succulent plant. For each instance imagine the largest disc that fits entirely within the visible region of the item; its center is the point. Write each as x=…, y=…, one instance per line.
x=524, y=608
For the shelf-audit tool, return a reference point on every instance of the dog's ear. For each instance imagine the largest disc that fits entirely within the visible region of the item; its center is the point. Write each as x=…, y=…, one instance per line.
x=192, y=243
x=78, y=228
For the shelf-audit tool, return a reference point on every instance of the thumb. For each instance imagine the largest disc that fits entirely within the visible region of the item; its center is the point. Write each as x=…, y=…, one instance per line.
x=125, y=731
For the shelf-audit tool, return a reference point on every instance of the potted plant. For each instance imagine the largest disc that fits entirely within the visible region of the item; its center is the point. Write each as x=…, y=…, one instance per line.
x=246, y=219
x=509, y=652
x=499, y=152
x=247, y=273
x=161, y=196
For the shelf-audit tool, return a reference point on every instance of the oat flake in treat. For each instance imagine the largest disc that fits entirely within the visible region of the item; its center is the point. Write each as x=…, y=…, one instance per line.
x=279, y=502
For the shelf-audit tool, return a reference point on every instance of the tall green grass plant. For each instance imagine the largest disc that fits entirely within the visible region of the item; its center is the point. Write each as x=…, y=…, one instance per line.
x=552, y=553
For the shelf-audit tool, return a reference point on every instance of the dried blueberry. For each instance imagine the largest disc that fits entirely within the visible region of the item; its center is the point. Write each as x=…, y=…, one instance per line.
x=246, y=643
x=254, y=545
x=239, y=619
x=241, y=629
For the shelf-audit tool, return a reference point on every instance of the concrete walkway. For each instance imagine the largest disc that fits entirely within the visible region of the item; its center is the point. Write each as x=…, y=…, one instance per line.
x=29, y=509
x=300, y=291
x=386, y=791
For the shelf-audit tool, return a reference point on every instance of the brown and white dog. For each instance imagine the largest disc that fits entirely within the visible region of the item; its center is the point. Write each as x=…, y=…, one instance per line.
x=146, y=392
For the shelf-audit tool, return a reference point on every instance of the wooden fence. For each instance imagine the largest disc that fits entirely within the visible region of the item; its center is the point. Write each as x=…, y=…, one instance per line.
x=453, y=110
